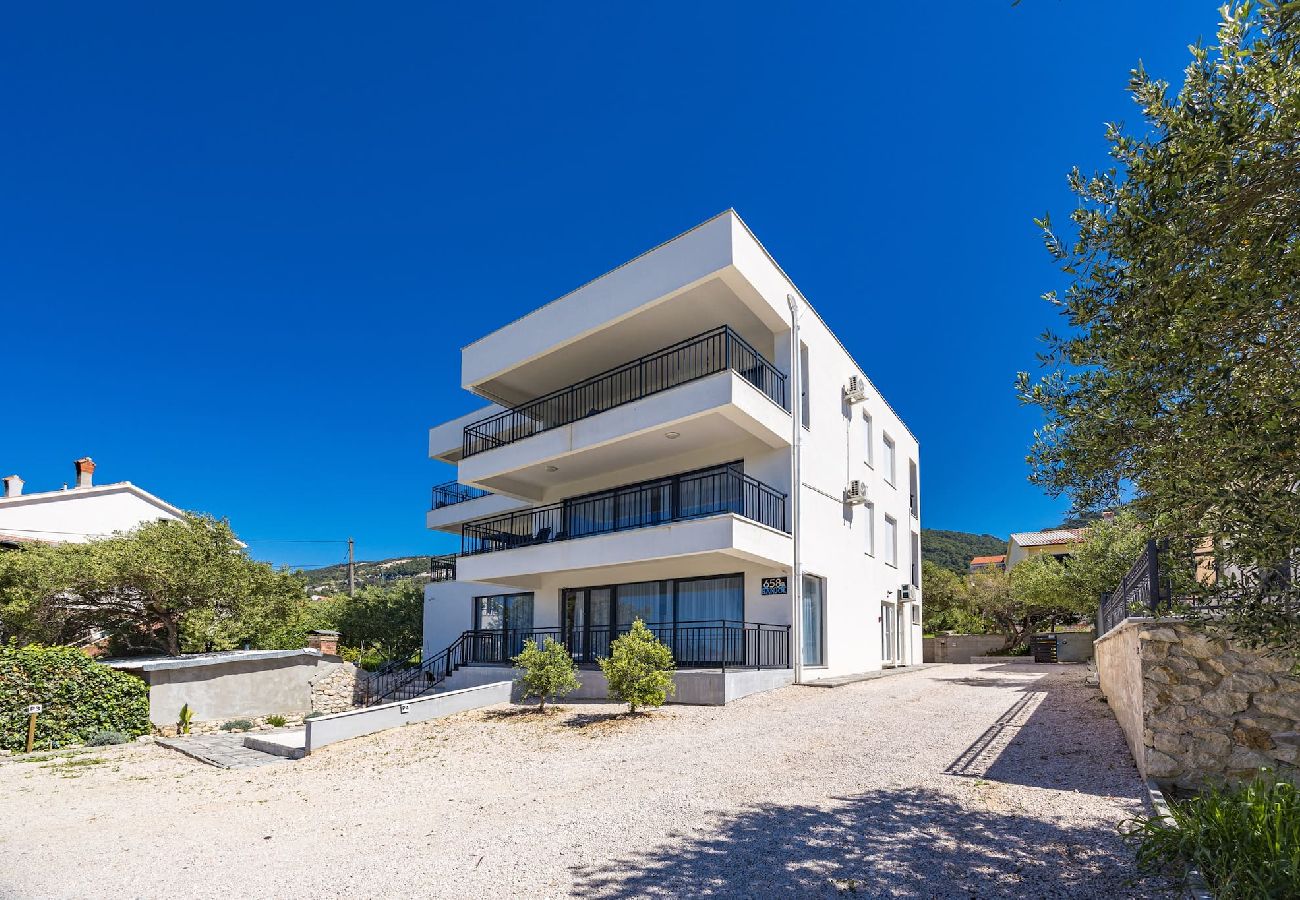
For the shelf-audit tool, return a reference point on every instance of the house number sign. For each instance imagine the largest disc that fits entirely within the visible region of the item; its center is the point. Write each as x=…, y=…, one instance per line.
x=775, y=586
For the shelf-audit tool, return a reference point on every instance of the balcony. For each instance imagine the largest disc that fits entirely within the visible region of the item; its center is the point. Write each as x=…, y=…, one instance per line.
x=714, y=351
x=708, y=644
x=679, y=498
x=451, y=492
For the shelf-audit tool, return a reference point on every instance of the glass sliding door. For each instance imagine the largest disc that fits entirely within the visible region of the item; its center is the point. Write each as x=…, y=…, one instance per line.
x=814, y=621
x=586, y=623
x=709, y=621
x=502, y=622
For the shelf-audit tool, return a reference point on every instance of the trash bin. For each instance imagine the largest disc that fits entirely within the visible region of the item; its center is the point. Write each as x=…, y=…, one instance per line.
x=1043, y=647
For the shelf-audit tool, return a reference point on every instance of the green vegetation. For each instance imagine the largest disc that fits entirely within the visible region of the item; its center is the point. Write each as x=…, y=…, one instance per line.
x=1039, y=592
x=1245, y=840
x=79, y=697
x=161, y=587
x=237, y=725
x=953, y=550
x=185, y=718
x=547, y=673
x=107, y=738
x=330, y=580
x=276, y=721
x=1174, y=381
x=378, y=624
x=639, y=669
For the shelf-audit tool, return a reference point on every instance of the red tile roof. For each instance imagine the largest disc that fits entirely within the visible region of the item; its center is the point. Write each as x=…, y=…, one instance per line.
x=985, y=560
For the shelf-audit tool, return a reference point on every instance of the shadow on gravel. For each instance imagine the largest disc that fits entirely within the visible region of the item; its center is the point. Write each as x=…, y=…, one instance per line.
x=1056, y=735
x=898, y=843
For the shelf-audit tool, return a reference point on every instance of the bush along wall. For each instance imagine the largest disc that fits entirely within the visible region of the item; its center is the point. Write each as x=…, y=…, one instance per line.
x=79, y=696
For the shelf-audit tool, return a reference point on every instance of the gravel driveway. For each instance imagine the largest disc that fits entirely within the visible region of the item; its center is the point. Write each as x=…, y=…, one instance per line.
x=953, y=781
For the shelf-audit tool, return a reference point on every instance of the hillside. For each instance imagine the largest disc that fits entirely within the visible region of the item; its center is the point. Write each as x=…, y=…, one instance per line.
x=334, y=579
x=953, y=549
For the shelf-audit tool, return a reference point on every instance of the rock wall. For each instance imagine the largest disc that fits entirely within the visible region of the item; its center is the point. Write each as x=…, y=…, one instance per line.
x=1209, y=710
x=337, y=688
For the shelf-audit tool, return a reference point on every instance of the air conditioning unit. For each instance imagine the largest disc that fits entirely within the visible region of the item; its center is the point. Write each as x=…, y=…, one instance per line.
x=856, y=390
x=905, y=592
x=856, y=492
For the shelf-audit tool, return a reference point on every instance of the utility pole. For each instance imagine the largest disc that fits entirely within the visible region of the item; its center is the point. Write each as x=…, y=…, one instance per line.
x=352, y=569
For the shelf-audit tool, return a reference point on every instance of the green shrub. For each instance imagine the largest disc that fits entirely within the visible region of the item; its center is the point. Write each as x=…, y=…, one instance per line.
x=80, y=697
x=548, y=672
x=1245, y=840
x=639, y=669
x=186, y=717
x=275, y=721
x=237, y=725
x=107, y=738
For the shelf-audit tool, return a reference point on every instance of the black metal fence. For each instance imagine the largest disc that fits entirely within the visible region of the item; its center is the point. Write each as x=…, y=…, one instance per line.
x=452, y=492
x=705, y=354
x=706, y=492
x=1143, y=591
x=707, y=644
x=442, y=568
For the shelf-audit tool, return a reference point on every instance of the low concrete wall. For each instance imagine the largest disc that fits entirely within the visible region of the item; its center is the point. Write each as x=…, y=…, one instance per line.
x=999, y=660
x=1196, y=708
x=1074, y=646
x=694, y=687
x=958, y=648
x=368, y=720
x=231, y=685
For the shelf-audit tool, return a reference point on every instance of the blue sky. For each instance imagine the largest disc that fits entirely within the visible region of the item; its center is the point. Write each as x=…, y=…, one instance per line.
x=241, y=245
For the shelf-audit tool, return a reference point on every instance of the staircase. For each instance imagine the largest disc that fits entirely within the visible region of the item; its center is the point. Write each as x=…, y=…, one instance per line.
x=417, y=681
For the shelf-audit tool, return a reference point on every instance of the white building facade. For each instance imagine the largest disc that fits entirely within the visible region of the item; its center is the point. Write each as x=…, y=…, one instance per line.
x=637, y=460
x=77, y=514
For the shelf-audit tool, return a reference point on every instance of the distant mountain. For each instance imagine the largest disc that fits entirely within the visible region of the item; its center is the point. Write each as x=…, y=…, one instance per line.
x=953, y=549
x=334, y=579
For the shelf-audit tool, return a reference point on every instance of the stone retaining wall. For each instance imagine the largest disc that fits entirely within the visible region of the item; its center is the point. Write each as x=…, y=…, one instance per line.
x=1196, y=708
x=337, y=688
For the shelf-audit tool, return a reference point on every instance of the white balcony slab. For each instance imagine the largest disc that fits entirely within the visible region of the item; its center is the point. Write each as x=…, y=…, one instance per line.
x=714, y=411
x=450, y=517
x=446, y=440
x=709, y=545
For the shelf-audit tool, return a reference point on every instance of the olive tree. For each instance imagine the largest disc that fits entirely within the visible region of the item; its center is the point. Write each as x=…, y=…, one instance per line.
x=639, y=669
x=547, y=672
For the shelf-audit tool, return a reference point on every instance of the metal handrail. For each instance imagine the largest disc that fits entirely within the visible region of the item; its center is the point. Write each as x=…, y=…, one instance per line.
x=452, y=492
x=710, y=643
x=708, y=353
x=442, y=568
x=677, y=498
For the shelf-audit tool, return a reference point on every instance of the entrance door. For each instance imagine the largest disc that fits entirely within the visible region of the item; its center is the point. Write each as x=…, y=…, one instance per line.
x=889, y=633
x=587, y=623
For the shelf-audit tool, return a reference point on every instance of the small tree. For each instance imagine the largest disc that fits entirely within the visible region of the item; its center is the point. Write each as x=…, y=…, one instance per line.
x=546, y=672
x=639, y=669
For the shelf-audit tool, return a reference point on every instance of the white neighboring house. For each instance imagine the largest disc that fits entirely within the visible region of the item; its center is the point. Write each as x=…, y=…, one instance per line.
x=77, y=514
x=636, y=460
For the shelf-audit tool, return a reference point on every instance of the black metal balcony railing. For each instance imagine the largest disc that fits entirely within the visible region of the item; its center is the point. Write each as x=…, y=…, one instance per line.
x=442, y=568
x=711, y=644
x=705, y=354
x=706, y=492
x=454, y=492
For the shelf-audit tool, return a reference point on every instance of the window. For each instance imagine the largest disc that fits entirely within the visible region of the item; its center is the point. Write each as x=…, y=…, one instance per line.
x=804, y=414
x=509, y=614
x=914, y=504
x=891, y=541
x=868, y=438
x=814, y=621
x=869, y=511
x=916, y=558
x=889, y=460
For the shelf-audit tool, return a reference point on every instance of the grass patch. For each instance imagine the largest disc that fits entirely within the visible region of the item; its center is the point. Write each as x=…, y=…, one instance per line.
x=76, y=763
x=1245, y=840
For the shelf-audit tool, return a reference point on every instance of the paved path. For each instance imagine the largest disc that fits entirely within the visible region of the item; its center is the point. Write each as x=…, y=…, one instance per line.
x=997, y=781
x=225, y=751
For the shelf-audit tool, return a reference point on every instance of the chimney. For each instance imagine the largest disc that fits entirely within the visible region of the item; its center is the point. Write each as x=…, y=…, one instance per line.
x=327, y=642
x=85, y=469
x=13, y=486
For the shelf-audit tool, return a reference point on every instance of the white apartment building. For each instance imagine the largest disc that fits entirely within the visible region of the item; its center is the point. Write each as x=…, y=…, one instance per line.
x=636, y=460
